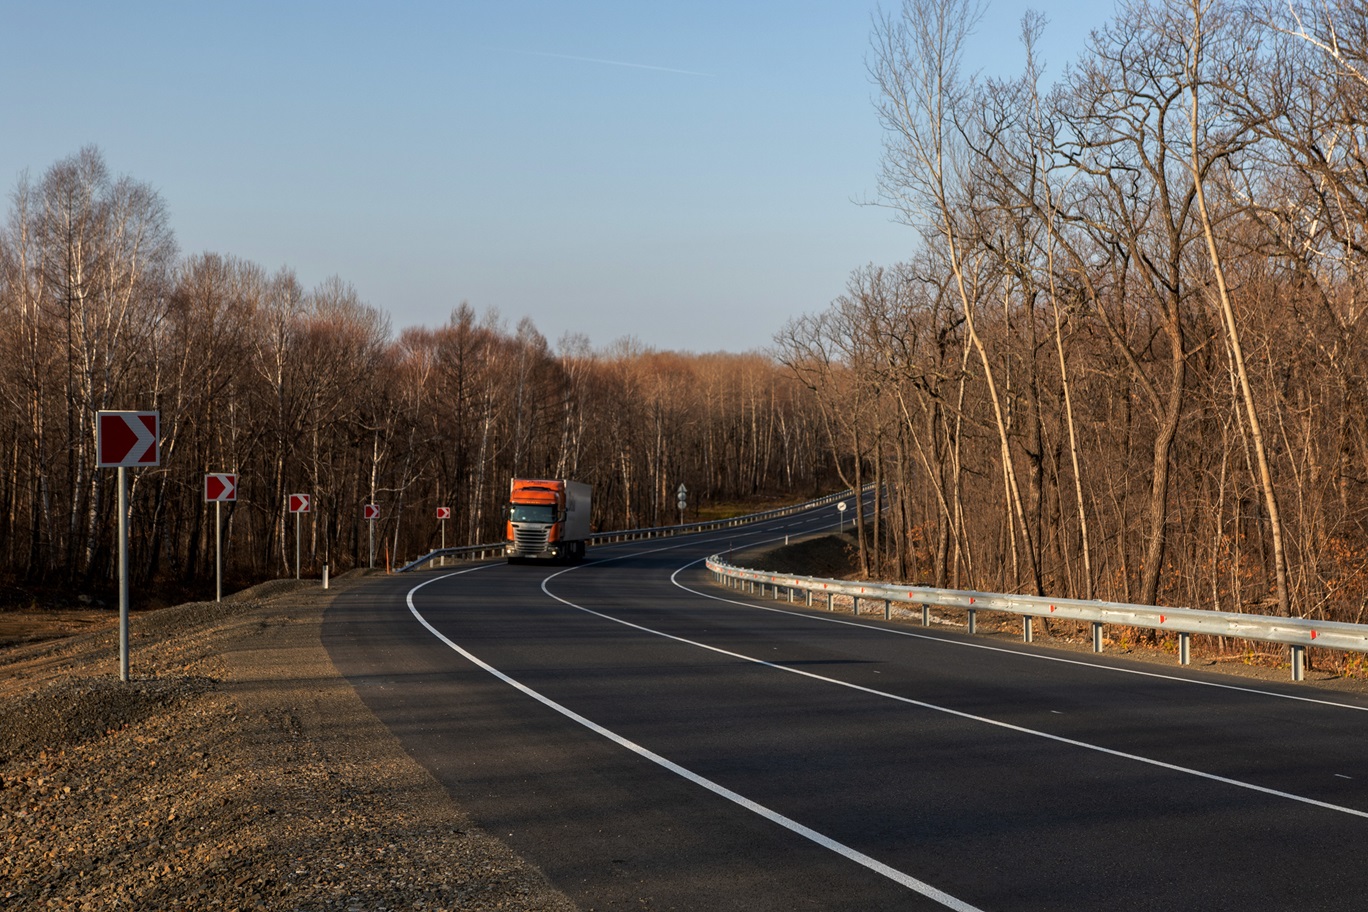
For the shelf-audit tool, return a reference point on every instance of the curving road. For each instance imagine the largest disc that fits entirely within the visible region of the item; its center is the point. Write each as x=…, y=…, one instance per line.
x=652, y=740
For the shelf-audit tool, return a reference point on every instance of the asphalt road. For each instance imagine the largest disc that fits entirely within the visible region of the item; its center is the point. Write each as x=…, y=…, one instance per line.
x=652, y=740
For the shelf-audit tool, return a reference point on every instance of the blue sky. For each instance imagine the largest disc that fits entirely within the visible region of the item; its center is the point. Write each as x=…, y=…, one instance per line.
x=685, y=174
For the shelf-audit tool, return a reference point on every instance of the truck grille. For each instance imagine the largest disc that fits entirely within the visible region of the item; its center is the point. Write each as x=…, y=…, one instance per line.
x=530, y=541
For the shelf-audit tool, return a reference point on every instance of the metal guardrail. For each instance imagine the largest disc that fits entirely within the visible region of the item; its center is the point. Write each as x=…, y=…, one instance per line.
x=1297, y=633
x=496, y=549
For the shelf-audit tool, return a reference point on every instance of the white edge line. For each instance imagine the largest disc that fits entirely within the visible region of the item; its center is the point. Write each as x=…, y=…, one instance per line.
x=948, y=641
x=1172, y=767
x=1024, y=654
x=1060, y=739
x=912, y=883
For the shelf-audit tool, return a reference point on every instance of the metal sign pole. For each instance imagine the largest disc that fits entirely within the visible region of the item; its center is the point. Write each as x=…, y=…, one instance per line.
x=371, y=524
x=297, y=551
x=123, y=573
x=218, y=550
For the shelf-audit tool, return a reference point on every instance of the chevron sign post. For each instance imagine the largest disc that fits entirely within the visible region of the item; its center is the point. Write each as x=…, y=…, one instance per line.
x=443, y=514
x=371, y=512
x=126, y=440
x=219, y=487
x=299, y=505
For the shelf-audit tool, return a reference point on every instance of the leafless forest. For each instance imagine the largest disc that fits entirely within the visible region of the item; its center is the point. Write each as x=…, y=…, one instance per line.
x=1125, y=358
x=310, y=392
x=1128, y=361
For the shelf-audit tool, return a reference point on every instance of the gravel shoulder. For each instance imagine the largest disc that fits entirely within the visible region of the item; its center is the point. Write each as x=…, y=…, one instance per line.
x=236, y=770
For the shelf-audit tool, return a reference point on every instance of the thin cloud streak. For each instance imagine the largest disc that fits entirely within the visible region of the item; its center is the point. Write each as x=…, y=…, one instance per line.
x=618, y=63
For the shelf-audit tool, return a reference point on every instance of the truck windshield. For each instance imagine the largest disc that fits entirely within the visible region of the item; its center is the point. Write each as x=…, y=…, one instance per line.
x=539, y=513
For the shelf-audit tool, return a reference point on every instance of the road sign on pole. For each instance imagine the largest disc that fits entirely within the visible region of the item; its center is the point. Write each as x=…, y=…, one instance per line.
x=219, y=487
x=443, y=514
x=126, y=440
x=371, y=512
x=840, y=510
x=683, y=495
x=299, y=505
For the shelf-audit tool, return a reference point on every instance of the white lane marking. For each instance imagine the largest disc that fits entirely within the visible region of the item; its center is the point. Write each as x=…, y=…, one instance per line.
x=966, y=644
x=1060, y=739
x=906, y=880
x=1037, y=656
x=944, y=641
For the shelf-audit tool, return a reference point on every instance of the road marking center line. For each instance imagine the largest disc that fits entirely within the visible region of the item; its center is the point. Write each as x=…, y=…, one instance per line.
x=1037, y=656
x=1071, y=742
x=906, y=880
x=945, y=641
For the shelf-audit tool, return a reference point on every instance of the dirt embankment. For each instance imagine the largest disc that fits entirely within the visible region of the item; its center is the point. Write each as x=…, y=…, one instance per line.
x=827, y=556
x=236, y=770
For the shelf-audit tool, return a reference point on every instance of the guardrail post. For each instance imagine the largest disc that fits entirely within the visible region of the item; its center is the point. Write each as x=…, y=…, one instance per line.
x=1298, y=663
x=926, y=615
x=1097, y=636
x=888, y=609
x=809, y=598
x=855, y=605
x=973, y=621
x=1184, y=649
x=1026, y=629
x=831, y=602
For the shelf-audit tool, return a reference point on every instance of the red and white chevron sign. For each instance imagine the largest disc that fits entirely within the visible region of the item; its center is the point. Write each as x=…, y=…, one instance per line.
x=371, y=511
x=301, y=503
x=444, y=512
x=126, y=439
x=220, y=486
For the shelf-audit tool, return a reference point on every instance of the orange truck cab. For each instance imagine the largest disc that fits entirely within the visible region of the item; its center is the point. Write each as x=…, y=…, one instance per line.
x=547, y=520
